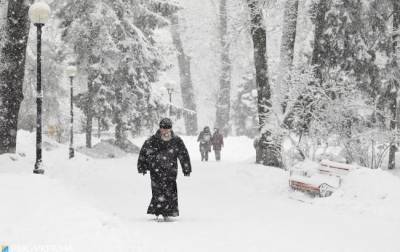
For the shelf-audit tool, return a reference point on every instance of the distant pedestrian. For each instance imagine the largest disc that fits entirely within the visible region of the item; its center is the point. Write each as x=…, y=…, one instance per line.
x=205, y=143
x=159, y=155
x=217, y=143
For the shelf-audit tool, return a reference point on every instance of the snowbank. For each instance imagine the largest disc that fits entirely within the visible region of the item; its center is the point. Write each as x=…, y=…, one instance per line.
x=368, y=190
x=39, y=212
x=362, y=190
x=309, y=167
x=86, y=204
x=108, y=149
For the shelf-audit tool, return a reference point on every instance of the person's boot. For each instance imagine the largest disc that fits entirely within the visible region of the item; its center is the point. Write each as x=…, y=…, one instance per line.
x=218, y=156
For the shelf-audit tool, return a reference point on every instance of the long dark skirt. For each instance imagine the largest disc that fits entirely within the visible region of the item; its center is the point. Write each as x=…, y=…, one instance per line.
x=165, y=196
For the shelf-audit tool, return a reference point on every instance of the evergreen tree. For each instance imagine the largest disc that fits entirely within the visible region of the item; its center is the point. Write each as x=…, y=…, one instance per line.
x=353, y=47
x=113, y=42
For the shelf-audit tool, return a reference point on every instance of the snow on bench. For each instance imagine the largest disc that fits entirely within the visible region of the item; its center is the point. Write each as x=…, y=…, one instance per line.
x=335, y=168
x=323, y=180
x=313, y=183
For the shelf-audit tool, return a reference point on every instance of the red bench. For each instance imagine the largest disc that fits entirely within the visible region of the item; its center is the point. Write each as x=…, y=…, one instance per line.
x=323, y=181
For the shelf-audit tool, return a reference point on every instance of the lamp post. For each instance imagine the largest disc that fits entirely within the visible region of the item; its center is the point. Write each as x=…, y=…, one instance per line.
x=170, y=90
x=39, y=14
x=71, y=72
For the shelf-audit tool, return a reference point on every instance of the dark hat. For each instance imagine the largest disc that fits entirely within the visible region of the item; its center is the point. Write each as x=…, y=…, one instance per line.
x=166, y=123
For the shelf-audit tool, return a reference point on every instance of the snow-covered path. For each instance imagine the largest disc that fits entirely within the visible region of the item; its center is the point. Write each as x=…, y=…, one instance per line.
x=232, y=205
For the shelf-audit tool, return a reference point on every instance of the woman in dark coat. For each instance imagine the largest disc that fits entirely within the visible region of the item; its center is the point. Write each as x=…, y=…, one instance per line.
x=205, y=143
x=159, y=155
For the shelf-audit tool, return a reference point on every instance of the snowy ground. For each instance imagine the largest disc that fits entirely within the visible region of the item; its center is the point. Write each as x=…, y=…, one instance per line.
x=89, y=204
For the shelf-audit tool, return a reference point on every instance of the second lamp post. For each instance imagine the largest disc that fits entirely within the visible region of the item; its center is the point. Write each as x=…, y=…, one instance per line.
x=71, y=72
x=170, y=90
x=39, y=14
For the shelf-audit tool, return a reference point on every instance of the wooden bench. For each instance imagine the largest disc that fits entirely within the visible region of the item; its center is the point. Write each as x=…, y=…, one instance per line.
x=327, y=178
x=335, y=168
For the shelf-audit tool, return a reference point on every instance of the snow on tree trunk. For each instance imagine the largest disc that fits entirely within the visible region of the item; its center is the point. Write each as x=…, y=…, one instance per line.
x=224, y=95
x=12, y=69
x=185, y=79
x=287, y=48
x=259, y=38
x=394, y=93
x=270, y=152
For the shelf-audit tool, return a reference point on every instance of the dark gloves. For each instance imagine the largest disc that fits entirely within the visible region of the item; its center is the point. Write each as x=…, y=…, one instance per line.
x=186, y=174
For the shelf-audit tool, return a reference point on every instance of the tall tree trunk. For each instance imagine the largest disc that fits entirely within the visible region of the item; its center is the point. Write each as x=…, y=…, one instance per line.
x=185, y=79
x=270, y=151
x=12, y=69
x=93, y=75
x=393, y=148
x=287, y=49
x=98, y=127
x=289, y=33
x=89, y=109
x=119, y=125
x=394, y=96
x=259, y=37
x=322, y=8
x=224, y=96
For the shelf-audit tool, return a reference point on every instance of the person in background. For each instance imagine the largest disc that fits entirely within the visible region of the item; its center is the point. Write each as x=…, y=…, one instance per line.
x=159, y=155
x=205, y=143
x=217, y=143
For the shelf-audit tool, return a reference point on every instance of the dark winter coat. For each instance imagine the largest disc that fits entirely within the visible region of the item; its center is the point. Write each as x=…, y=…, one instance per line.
x=160, y=158
x=217, y=141
x=205, y=141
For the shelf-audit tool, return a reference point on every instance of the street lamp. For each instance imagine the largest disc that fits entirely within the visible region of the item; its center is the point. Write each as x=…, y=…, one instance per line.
x=39, y=14
x=170, y=90
x=71, y=72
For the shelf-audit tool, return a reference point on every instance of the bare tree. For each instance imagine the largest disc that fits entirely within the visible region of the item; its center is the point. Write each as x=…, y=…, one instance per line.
x=185, y=78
